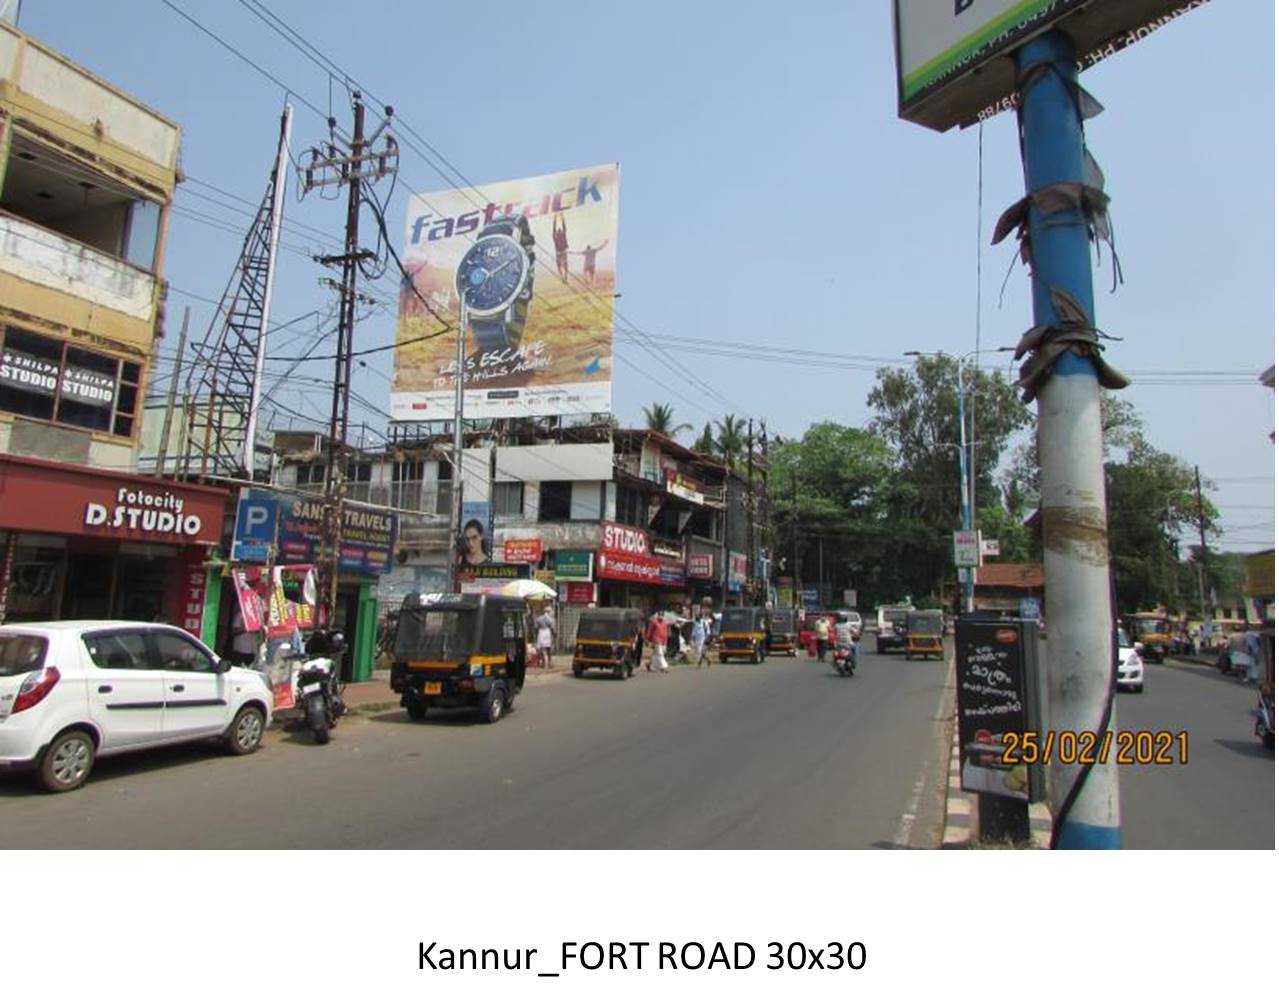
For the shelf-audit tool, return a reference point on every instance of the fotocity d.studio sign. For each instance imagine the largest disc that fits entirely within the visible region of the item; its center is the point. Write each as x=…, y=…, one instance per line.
x=159, y=513
x=941, y=44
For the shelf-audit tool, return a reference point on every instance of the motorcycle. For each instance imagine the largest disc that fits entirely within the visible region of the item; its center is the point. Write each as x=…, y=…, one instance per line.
x=319, y=686
x=845, y=660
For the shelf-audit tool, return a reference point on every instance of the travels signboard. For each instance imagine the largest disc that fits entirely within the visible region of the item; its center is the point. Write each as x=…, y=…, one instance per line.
x=368, y=535
x=562, y=360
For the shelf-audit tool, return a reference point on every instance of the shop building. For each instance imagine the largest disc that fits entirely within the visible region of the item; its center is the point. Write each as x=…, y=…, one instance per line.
x=77, y=542
x=87, y=176
x=607, y=517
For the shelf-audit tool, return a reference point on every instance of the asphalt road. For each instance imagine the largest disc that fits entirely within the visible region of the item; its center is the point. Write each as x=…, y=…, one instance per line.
x=783, y=755
x=1224, y=797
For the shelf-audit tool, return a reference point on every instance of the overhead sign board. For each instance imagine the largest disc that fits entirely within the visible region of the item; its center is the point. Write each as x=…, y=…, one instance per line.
x=967, y=549
x=561, y=363
x=954, y=57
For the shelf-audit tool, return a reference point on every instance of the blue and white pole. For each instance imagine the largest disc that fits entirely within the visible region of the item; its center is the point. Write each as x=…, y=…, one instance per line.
x=965, y=513
x=1073, y=508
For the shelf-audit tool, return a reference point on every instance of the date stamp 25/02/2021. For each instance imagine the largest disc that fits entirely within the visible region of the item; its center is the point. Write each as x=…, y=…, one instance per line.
x=1123, y=746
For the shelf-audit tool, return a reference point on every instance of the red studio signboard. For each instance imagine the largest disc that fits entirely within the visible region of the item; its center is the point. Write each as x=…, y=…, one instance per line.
x=618, y=539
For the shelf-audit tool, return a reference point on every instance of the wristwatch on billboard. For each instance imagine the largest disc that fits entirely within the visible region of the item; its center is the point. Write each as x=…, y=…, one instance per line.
x=495, y=279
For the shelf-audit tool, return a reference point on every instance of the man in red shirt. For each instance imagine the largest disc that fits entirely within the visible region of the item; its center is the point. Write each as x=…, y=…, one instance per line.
x=657, y=636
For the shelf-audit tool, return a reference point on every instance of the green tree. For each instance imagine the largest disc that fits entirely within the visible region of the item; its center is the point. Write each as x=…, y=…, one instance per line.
x=660, y=418
x=705, y=444
x=917, y=414
x=730, y=438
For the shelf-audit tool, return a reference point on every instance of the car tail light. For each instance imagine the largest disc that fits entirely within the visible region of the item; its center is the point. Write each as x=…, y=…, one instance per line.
x=34, y=688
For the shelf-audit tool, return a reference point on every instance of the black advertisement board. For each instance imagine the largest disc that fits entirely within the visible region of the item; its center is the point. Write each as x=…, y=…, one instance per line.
x=995, y=664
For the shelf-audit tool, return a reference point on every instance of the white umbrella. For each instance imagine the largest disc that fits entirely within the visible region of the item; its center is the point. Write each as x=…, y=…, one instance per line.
x=529, y=589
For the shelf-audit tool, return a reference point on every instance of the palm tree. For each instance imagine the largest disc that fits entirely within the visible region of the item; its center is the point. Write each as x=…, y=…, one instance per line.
x=730, y=437
x=660, y=418
x=705, y=444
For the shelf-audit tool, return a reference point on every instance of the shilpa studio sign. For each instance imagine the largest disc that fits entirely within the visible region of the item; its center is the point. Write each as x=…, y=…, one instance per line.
x=136, y=509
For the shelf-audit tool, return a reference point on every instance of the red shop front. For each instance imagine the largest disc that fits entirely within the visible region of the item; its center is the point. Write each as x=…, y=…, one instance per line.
x=79, y=543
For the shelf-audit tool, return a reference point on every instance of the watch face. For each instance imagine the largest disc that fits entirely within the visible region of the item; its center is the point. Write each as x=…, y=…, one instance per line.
x=491, y=274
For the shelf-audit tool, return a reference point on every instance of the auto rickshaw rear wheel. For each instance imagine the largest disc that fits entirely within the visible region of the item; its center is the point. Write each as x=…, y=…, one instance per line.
x=416, y=708
x=494, y=703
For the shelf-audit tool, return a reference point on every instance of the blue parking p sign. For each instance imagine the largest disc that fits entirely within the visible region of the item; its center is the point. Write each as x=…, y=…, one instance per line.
x=255, y=523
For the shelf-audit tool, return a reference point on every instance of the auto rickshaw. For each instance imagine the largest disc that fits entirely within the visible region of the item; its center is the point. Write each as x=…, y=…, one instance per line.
x=609, y=638
x=784, y=637
x=924, y=633
x=744, y=634
x=454, y=650
x=1153, y=631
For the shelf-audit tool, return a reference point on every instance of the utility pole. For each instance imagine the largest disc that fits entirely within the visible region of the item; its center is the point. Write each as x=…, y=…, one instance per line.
x=352, y=167
x=752, y=567
x=165, y=430
x=728, y=505
x=455, y=553
x=768, y=538
x=794, y=539
x=1203, y=552
x=1085, y=800
x=965, y=512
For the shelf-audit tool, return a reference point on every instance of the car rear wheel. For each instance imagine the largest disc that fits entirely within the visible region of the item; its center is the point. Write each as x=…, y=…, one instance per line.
x=67, y=761
x=245, y=734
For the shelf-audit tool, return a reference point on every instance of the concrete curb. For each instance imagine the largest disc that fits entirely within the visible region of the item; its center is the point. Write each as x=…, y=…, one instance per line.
x=961, y=831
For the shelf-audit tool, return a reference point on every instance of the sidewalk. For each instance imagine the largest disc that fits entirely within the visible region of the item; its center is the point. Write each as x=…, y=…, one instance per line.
x=375, y=694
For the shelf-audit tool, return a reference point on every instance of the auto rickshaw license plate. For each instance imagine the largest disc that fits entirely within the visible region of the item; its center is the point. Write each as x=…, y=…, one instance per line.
x=432, y=687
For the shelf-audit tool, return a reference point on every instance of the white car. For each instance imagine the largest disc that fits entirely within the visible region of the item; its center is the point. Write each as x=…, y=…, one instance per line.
x=73, y=691
x=1132, y=669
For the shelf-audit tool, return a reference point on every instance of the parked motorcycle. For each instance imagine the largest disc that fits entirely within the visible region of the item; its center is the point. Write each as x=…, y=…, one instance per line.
x=845, y=660
x=319, y=684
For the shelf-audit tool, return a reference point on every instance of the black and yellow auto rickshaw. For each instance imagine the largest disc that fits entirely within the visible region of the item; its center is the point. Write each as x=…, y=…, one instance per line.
x=609, y=638
x=454, y=650
x=923, y=634
x=1153, y=631
x=743, y=634
x=784, y=632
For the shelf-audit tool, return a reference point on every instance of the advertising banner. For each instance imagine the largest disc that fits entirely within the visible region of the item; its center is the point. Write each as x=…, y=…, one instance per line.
x=526, y=550
x=561, y=362
x=699, y=566
x=574, y=566
x=490, y=577
x=368, y=536
x=967, y=549
x=579, y=593
x=632, y=568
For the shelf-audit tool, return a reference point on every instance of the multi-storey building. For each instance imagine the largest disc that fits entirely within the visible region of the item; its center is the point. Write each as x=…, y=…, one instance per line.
x=87, y=174
x=610, y=517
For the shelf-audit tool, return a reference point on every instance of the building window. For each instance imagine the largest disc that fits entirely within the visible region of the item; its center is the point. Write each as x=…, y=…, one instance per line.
x=310, y=474
x=508, y=498
x=359, y=478
x=45, y=378
x=67, y=197
x=555, y=501
x=406, y=484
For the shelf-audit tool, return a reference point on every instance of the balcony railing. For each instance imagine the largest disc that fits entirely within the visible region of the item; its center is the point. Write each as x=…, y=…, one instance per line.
x=48, y=259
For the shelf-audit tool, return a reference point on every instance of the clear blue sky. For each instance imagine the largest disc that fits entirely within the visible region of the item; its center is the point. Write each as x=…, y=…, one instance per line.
x=769, y=192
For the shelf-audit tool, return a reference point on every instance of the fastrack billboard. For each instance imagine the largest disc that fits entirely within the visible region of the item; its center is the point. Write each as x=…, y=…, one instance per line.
x=562, y=361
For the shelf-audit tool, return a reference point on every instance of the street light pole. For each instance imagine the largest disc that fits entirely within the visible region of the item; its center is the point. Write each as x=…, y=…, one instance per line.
x=966, y=512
